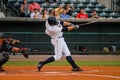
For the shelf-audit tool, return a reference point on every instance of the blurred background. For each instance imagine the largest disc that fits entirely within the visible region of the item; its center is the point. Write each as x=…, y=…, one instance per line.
x=96, y=38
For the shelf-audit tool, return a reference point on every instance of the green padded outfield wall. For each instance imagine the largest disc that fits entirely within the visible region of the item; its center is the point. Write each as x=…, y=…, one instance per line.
x=93, y=36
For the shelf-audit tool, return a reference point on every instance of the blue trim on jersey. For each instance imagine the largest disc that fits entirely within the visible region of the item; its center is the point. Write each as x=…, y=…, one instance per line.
x=64, y=29
x=61, y=22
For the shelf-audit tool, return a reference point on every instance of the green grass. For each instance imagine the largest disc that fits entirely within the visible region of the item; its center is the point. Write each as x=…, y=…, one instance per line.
x=65, y=63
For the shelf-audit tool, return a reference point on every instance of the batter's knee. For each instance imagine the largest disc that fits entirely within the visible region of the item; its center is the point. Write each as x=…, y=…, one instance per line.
x=67, y=55
x=57, y=57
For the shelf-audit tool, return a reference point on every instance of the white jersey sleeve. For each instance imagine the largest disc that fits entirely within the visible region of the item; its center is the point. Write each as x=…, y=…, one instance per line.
x=54, y=31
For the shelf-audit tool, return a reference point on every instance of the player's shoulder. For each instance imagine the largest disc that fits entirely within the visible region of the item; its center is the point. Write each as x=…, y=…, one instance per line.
x=47, y=24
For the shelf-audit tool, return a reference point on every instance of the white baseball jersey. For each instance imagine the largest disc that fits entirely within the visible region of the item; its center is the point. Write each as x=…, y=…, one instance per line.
x=54, y=31
x=60, y=47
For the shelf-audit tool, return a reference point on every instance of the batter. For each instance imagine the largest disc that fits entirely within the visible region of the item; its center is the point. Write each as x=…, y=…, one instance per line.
x=55, y=29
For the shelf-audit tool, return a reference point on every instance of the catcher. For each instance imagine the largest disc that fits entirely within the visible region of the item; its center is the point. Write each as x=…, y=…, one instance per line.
x=5, y=48
x=12, y=42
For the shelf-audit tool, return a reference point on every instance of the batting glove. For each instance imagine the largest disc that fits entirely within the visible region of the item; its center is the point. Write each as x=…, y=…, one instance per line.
x=76, y=26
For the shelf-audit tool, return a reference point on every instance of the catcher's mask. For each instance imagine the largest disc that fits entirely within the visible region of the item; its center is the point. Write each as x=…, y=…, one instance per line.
x=52, y=20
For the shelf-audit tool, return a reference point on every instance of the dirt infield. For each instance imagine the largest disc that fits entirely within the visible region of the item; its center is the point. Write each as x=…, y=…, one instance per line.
x=60, y=73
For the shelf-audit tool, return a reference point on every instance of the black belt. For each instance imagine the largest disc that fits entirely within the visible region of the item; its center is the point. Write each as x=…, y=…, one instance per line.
x=58, y=37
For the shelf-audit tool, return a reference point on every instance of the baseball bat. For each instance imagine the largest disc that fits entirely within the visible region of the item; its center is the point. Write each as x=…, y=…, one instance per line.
x=88, y=23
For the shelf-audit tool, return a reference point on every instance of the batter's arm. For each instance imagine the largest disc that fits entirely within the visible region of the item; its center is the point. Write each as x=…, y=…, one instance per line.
x=66, y=23
x=69, y=26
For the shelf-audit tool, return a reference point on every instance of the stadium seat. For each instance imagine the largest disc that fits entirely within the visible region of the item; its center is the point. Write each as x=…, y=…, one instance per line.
x=98, y=10
x=89, y=15
x=100, y=6
x=59, y=1
x=76, y=5
x=81, y=5
x=41, y=1
x=36, y=1
x=88, y=10
x=91, y=5
x=20, y=1
x=66, y=1
x=75, y=1
x=85, y=1
x=17, y=6
x=45, y=5
x=49, y=9
x=106, y=15
x=72, y=4
x=114, y=15
x=12, y=2
x=30, y=1
x=74, y=14
x=118, y=17
x=118, y=2
x=77, y=10
x=54, y=5
x=94, y=1
x=107, y=10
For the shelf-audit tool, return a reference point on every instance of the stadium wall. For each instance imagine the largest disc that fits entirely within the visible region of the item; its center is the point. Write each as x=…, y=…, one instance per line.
x=94, y=37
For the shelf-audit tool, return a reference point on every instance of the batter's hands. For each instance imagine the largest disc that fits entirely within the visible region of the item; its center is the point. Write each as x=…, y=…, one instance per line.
x=76, y=26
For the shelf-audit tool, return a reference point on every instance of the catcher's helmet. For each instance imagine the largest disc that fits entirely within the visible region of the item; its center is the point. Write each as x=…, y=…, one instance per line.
x=2, y=35
x=52, y=20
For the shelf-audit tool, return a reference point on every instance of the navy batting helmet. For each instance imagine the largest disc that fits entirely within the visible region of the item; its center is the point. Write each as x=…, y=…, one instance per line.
x=52, y=20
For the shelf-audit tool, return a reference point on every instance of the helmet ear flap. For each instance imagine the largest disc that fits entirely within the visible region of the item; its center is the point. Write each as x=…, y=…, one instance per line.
x=52, y=21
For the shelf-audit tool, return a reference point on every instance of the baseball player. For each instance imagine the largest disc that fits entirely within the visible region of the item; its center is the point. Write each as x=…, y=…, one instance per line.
x=55, y=29
x=12, y=42
x=5, y=48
